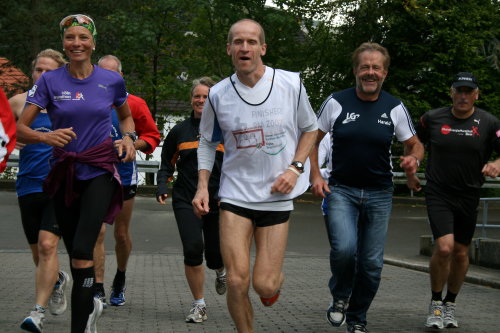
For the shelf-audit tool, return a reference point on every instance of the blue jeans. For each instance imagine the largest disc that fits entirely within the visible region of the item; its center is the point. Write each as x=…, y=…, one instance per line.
x=357, y=228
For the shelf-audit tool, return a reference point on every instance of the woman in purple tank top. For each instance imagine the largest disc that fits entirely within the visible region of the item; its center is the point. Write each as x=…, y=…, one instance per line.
x=83, y=180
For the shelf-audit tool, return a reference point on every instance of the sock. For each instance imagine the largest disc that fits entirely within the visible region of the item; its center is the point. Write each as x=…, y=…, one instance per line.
x=437, y=295
x=450, y=297
x=119, y=280
x=200, y=301
x=221, y=273
x=99, y=288
x=82, y=297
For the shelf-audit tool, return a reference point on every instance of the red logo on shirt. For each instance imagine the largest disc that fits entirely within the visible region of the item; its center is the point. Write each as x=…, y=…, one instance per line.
x=445, y=129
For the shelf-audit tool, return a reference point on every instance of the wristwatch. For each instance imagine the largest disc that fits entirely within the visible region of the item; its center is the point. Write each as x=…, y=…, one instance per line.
x=131, y=135
x=298, y=165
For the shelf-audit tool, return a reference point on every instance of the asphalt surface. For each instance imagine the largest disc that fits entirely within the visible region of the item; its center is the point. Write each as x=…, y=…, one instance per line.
x=158, y=297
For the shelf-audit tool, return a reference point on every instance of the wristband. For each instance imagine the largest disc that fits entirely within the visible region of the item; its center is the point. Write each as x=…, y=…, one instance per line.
x=291, y=168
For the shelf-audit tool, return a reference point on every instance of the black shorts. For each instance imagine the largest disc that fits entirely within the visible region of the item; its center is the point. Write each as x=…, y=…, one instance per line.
x=452, y=213
x=37, y=213
x=129, y=191
x=260, y=218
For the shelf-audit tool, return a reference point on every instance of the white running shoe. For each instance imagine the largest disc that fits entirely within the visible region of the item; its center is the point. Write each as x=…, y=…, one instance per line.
x=335, y=314
x=197, y=314
x=34, y=322
x=449, y=315
x=435, y=318
x=57, y=301
x=94, y=316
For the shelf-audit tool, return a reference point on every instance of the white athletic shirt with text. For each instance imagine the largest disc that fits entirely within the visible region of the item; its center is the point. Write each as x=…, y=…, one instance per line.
x=260, y=127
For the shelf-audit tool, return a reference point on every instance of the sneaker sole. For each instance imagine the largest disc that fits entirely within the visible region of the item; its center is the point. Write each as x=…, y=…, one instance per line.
x=196, y=321
x=434, y=326
x=29, y=325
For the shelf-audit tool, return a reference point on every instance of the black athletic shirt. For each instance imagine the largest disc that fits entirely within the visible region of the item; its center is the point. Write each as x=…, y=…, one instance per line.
x=180, y=149
x=458, y=148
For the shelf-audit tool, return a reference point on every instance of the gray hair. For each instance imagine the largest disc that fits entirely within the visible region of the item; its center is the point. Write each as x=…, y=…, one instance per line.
x=370, y=47
x=205, y=80
x=110, y=56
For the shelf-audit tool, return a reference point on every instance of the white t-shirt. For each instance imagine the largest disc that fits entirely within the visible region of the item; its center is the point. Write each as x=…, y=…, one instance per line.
x=260, y=127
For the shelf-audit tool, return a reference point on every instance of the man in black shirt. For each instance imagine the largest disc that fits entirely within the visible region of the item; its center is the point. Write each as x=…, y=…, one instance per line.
x=459, y=140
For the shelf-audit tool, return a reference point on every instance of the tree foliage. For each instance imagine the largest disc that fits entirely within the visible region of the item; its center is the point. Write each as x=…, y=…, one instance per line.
x=164, y=44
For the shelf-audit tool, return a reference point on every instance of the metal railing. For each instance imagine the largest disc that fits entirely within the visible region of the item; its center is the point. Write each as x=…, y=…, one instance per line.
x=484, y=224
x=142, y=165
x=399, y=178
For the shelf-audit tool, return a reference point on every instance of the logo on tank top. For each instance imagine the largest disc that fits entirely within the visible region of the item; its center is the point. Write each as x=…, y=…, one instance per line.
x=446, y=129
x=32, y=91
x=350, y=117
x=78, y=96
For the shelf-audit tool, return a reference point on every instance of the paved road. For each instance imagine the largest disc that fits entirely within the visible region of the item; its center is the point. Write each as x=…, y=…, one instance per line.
x=158, y=296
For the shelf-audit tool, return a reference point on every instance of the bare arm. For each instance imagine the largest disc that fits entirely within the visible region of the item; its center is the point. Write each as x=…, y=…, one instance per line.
x=126, y=146
x=201, y=199
x=318, y=184
x=414, y=153
x=17, y=105
x=57, y=138
x=287, y=180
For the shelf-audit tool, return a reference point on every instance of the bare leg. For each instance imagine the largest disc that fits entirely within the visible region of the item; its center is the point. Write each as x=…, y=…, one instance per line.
x=34, y=253
x=99, y=256
x=195, y=276
x=440, y=262
x=47, y=270
x=236, y=234
x=123, y=245
x=458, y=267
x=270, y=250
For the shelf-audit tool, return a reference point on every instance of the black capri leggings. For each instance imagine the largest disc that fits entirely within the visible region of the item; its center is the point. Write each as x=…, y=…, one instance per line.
x=198, y=235
x=81, y=222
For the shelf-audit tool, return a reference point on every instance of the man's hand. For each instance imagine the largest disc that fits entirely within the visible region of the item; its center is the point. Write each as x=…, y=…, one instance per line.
x=161, y=198
x=492, y=169
x=200, y=203
x=58, y=138
x=126, y=150
x=285, y=182
x=409, y=164
x=319, y=187
x=413, y=183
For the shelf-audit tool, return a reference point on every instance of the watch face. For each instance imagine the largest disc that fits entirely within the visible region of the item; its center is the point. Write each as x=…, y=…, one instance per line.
x=298, y=165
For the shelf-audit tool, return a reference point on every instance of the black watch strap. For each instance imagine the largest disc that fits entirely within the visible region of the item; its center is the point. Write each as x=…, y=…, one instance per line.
x=131, y=135
x=298, y=165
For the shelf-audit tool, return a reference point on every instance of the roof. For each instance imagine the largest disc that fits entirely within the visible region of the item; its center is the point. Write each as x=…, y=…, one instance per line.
x=12, y=79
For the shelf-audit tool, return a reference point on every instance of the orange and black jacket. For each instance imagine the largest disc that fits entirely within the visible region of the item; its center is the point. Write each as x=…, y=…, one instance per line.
x=180, y=151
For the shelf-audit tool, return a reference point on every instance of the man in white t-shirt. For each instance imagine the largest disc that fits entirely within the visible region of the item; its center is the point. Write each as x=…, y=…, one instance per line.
x=268, y=127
